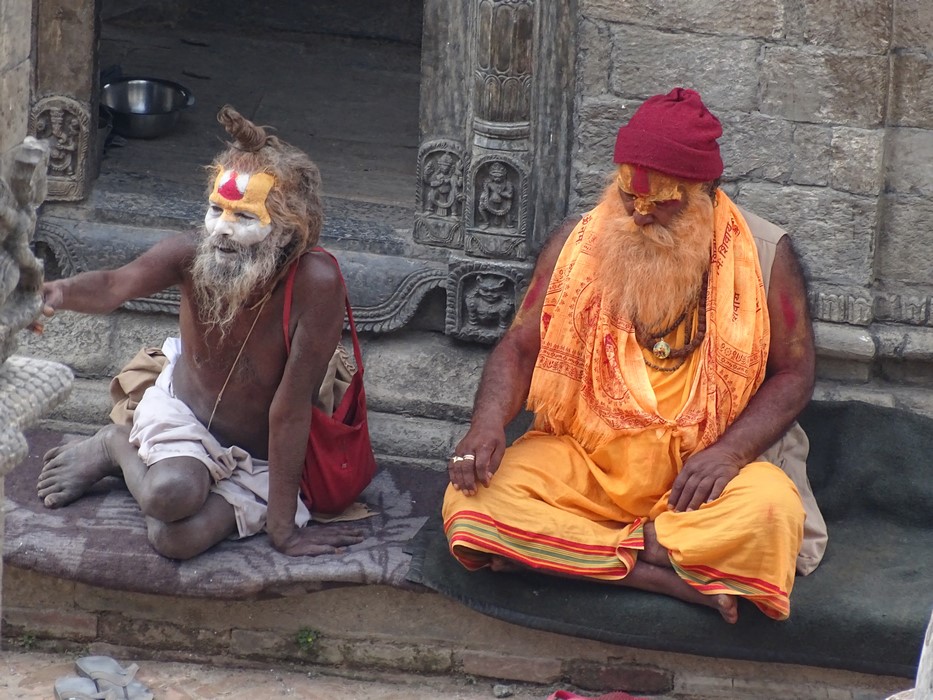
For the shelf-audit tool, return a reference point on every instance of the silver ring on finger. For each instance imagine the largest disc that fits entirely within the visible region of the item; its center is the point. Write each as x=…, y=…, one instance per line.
x=456, y=458
x=470, y=457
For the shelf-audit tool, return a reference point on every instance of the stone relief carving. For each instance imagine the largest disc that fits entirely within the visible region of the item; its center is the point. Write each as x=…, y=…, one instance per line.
x=497, y=219
x=22, y=190
x=841, y=307
x=439, y=197
x=496, y=198
x=900, y=308
x=482, y=298
x=66, y=124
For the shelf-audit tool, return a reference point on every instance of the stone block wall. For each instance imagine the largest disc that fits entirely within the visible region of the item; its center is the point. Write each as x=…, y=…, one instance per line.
x=827, y=111
x=15, y=71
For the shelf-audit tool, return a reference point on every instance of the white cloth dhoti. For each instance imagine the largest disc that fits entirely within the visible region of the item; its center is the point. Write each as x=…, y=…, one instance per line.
x=164, y=427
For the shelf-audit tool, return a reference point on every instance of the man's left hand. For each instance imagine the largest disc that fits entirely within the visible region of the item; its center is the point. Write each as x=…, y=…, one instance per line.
x=703, y=479
x=314, y=540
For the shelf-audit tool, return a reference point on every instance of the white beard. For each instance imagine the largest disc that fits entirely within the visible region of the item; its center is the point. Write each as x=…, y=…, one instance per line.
x=224, y=281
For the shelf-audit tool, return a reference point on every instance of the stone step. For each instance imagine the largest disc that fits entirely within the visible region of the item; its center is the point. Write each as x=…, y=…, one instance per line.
x=386, y=628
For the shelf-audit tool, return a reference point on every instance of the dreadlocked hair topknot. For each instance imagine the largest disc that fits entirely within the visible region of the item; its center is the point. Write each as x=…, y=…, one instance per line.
x=294, y=203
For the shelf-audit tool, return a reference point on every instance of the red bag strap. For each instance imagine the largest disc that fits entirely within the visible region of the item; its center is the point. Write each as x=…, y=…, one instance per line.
x=287, y=310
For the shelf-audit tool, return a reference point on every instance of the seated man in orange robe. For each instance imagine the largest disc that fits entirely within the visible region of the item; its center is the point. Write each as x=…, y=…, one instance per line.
x=665, y=348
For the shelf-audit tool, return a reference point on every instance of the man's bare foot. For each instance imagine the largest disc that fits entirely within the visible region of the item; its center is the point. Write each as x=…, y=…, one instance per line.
x=728, y=607
x=70, y=470
x=654, y=553
x=504, y=564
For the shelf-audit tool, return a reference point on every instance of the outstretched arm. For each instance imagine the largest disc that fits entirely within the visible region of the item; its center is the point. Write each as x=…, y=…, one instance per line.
x=503, y=387
x=782, y=396
x=102, y=291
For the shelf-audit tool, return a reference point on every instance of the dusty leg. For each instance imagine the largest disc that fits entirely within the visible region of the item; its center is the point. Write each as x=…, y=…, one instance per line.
x=71, y=470
x=184, y=539
x=169, y=490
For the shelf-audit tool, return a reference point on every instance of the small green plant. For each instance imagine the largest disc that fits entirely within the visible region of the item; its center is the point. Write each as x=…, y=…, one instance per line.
x=27, y=642
x=306, y=639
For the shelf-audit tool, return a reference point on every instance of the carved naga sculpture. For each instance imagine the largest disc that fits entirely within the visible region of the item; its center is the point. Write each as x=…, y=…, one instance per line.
x=23, y=187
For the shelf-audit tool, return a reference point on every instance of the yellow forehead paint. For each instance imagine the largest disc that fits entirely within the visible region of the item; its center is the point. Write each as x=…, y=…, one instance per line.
x=243, y=192
x=648, y=187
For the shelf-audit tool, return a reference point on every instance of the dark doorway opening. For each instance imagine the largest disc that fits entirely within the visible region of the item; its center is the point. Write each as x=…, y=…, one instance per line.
x=337, y=78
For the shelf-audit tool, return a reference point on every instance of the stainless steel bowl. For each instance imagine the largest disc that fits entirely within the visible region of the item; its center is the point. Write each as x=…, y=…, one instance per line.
x=145, y=108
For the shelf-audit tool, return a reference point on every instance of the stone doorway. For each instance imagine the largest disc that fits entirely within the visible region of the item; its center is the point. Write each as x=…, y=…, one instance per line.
x=339, y=79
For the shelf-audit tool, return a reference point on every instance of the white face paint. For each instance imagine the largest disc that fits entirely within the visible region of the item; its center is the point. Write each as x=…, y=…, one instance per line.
x=242, y=227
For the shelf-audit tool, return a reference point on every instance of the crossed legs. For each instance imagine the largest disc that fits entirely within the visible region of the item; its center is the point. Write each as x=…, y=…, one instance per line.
x=652, y=572
x=183, y=517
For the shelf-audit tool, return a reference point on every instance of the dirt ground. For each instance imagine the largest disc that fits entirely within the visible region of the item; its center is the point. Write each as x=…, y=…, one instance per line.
x=32, y=675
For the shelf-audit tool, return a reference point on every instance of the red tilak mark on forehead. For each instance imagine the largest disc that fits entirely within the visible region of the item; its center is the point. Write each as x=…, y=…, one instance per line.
x=229, y=190
x=789, y=311
x=640, y=182
x=534, y=293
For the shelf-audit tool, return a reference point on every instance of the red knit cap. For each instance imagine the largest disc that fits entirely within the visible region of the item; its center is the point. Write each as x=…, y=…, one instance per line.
x=674, y=134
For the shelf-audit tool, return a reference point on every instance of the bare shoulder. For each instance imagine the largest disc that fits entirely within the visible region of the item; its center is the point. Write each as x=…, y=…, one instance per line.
x=792, y=345
x=786, y=272
x=318, y=284
x=524, y=332
x=317, y=270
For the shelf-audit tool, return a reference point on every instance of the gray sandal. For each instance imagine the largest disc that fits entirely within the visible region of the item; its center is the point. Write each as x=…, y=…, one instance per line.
x=75, y=688
x=111, y=677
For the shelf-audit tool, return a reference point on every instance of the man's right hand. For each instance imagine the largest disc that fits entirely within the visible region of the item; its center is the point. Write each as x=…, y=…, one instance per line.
x=476, y=458
x=52, y=297
x=314, y=540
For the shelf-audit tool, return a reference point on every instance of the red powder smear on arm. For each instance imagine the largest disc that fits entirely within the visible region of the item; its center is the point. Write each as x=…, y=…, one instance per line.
x=789, y=310
x=533, y=294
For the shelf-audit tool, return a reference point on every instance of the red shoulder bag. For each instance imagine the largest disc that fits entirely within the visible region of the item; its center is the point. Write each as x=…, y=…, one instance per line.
x=339, y=462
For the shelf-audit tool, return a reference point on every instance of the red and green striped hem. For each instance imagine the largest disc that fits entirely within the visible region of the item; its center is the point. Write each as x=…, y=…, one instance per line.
x=770, y=599
x=473, y=536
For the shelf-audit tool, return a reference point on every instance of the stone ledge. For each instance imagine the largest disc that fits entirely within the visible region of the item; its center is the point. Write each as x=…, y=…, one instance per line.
x=372, y=627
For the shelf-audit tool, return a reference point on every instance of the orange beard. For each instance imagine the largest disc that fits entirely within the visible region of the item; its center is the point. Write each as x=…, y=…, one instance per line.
x=653, y=273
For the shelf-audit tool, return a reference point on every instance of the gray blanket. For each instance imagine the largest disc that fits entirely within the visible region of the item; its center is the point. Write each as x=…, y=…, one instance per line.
x=101, y=540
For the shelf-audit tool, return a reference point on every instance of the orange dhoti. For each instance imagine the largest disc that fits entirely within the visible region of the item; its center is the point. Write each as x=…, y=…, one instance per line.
x=553, y=507
x=612, y=432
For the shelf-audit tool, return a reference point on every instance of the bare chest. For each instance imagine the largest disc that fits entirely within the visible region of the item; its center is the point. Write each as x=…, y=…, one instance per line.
x=230, y=379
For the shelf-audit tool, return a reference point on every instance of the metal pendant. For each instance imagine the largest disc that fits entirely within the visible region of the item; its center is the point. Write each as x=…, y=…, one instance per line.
x=661, y=350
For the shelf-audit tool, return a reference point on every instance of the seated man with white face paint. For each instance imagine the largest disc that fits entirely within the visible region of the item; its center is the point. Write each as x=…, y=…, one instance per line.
x=217, y=446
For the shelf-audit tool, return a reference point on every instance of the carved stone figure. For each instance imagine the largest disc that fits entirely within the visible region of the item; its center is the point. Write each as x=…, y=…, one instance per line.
x=21, y=192
x=495, y=200
x=444, y=179
x=490, y=302
x=63, y=129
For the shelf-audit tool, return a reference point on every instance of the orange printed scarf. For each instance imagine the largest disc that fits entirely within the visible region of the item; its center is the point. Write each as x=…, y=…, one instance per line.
x=590, y=380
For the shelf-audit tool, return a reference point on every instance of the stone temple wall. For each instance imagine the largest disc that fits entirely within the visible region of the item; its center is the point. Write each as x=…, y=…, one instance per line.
x=827, y=111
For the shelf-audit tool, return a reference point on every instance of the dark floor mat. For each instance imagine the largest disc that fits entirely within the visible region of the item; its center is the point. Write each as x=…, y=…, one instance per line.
x=865, y=608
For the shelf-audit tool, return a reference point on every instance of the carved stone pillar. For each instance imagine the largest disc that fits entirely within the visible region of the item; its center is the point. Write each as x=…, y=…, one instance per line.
x=494, y=161
x=66, y=95
x=497, y=182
